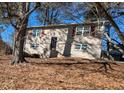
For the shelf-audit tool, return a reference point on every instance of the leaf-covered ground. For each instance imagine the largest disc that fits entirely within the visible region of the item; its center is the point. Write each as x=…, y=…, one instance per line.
x=57, y=74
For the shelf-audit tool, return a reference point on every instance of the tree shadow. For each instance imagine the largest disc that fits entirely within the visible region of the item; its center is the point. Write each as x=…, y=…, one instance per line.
x=76, y=65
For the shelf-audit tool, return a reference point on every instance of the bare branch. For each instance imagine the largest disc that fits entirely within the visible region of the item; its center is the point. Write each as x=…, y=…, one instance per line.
x=109, y=17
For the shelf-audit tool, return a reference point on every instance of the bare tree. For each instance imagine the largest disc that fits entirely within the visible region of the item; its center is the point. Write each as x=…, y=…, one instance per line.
x=49, y=13
x=109, y=17
x=17, y=15
x=61, y=13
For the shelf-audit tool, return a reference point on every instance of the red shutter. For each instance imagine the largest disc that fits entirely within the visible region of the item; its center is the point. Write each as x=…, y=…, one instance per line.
x=42, y=33
x=73, y=31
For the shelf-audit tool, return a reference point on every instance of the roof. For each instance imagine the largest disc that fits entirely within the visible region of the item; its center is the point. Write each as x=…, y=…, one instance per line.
x=65, y=25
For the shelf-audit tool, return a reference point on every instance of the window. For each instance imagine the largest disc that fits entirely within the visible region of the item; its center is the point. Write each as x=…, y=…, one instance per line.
x=78, y=46
x=86, y=30
x=84, y=46
x=34, y=46
x=81, y=46
x=79, y=30
x=36, y=32
x=83, y=30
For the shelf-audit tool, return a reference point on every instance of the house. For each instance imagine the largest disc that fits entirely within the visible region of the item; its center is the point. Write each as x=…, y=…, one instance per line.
x=68, y=40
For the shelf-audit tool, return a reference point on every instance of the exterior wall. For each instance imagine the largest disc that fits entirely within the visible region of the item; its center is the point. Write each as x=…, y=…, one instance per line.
x=92, y=51
x=43, y=40
x=93, y=45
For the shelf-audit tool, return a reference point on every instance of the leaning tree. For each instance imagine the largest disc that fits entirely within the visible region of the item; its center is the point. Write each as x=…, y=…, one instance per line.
x=108, y=11
x=105, y=9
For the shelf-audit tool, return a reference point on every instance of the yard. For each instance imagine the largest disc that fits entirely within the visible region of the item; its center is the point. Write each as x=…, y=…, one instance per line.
x=58, y=74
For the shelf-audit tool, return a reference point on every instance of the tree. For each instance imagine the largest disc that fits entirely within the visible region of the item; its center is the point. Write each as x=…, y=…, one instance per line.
x=50, y=13
x=17, y=15
x=74, y=11
x=106, y=11
x=61, y=13
x=109, y=17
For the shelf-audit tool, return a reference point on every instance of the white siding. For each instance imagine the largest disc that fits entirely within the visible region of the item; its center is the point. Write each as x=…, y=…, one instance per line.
x=93, y=44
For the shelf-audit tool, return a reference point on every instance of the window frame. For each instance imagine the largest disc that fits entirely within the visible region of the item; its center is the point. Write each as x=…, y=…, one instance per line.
x=77, y=45
x=83, y=30
x=34, y=45
x=36, y=32
x=81, y=46
x=79, y=30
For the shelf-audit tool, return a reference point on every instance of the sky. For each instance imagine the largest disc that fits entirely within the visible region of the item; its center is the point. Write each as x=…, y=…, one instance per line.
x=7, y=34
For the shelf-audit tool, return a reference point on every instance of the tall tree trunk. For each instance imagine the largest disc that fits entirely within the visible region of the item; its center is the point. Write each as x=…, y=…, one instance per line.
x=20, y=39
x=19, y=45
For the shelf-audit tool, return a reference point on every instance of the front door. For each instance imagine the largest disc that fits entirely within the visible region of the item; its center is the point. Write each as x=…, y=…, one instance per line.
x=53, y=43
x=53, y=52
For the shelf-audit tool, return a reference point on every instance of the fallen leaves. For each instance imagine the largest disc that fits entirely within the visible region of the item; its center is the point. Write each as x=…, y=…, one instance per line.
x=41, y=74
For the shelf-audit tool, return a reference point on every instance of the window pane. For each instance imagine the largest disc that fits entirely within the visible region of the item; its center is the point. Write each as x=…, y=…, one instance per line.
x=34, y=46
x=86, y=30
x=79, y=30
x=86, y=27
x=79, y=33
x=81, y=46
x=77, y=46
x=84, y=46
x=36, y=32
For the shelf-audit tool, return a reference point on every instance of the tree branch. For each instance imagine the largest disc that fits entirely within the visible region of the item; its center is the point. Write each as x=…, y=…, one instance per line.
x=114, y=45
x=109, y=17
x=24, y=18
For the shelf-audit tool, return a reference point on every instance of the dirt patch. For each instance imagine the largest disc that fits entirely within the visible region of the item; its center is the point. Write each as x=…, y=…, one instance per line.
x=50, y=74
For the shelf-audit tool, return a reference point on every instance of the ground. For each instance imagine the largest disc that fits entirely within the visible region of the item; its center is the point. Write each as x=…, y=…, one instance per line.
x=57, y=74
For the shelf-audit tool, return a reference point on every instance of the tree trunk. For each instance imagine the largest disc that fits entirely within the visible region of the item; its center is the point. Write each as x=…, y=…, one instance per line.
x=20, y=39
x=18, y=57
x=19, y=46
